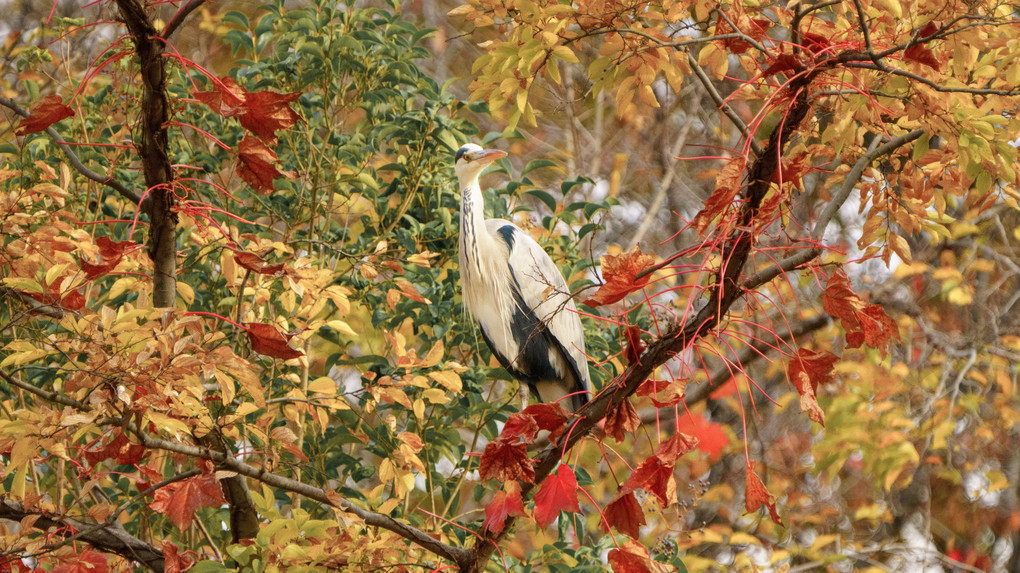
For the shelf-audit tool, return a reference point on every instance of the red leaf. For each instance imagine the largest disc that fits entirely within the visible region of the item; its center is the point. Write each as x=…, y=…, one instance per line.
x=266, y=339
x=620, y=273
x=505, y=461
x=727, y=184
x=84, y=562
x=815, y=42
x=671, y=450
x=180, y=500
x=262, y=113
x=632, y=557
x=864, y=323
x=255, y=263
x=118, y=447
x=226, y=97
x=503, y=505
x=783, y=63
x=520, y=426
x=44, y=114
x=557, y=493
x=625, y=514
x=175, y=562
x=257, y=165
x=674, y=392
x=635, y=347
x=621, y=420
x=711, y=438
x=111, y=252
x=922, y=55
x=755, y=495
x=653, y=476
x=807, y=370
x=54, y=296
x=549, y=417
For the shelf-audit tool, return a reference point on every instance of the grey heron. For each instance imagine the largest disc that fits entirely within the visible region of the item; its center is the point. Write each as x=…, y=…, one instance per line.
x=518, y=297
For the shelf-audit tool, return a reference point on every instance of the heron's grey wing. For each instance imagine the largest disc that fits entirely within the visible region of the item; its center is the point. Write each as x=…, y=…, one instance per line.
x=542, y=289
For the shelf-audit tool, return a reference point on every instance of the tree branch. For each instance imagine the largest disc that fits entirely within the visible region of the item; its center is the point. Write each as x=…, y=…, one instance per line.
x=71, y=157
x=180, y=16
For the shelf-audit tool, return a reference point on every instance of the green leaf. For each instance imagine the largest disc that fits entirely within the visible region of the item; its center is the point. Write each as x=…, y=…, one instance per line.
x=537, y=164
x=237, y=18
x=544, y=197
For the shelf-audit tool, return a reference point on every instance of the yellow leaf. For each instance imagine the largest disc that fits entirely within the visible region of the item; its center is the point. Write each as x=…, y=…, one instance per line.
x=186, y=292
x=960, y=296
x=342, y=327
x=419, y=408
x=322, y=385
x=449, y=380
x=435, y=396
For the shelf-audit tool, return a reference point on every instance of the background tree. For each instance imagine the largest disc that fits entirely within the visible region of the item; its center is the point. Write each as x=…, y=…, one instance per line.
x=313, y=350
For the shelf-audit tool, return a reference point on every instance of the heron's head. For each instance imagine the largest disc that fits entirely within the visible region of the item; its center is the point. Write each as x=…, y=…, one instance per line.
x=471, y=160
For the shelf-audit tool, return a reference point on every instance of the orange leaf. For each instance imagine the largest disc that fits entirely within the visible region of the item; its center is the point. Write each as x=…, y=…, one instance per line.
x=632, y=557
x=180, y=500
x=266, y=339
x=111, y=252
x=175, y=562
x=711, y=438
x=807, y=370
x=621, y=420
x=263, y=113
x=674, y=392
x=505, y=461
x=257, y=166
x=727, y=185
x=503, y=505
x=864, y=323
x=620, y=273
x=85, y=562
x=635, y=347
x=755, y=495
x=557, y=493
x=120, y=448
x=255, y=263
x=44, y=114
x=625, y=514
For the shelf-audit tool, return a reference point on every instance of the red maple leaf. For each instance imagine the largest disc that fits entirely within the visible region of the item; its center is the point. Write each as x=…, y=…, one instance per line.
x=653, y=476
x=784, y=63
x=120, y=448
x=671, y=450
x=557, y=493
x=503, y=504
x=505, y=461
x=807, y=370
x=174, y=561
x=755, y=495
x=44, y=114
x=258, y=165
x=625, y=514
x=864, y=323
x=520, y=426
x=111, y=252
x=180, y=500
x=711, y=437
x=55, y=296
x=549, y=417
x=620, y=275
x=255, y=263
x=634, y=347
x=84, y=562
x=266, y=339
x=815, y=42
x=728, y=183
x=621, y=420
x=632, y=557
x=263, y=112
x=673, y=392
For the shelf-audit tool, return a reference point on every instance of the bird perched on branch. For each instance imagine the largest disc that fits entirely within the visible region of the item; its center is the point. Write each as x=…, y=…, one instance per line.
x=517, y=295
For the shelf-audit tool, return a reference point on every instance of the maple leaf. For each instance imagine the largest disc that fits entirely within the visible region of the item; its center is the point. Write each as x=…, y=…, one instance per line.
x=226, y=98
x=625, y=514
x=257, y=166
x=111, y=252
x=671, y=450
x=711, y=437
x=807, y=370
x=54, y=296
x=632, y=557
x=549, y=417
x=635, y=347
x=620, y=274
x=503, y=504
x=727, y=184
x=263, y=112
x=119, y=447
x=520, y=426
x=255, y=263
x=783, y=63
x=266, y=339
x=557, y=493
x=653, y=476
x=674, y=391
x=84, y=562
x=175, y=562
x=44, y=114
x=505, y=461
x=620, y=420
x=755, y=495
x=180, y=500
x=864, y=323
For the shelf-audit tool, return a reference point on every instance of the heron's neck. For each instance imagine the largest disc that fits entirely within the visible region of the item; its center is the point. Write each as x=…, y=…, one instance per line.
x=473, y=238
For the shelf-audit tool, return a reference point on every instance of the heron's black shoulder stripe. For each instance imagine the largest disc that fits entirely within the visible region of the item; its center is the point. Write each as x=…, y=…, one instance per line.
x=507, y=232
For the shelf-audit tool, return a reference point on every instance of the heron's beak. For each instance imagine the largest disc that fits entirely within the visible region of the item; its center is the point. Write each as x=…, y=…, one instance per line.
x=489, y=155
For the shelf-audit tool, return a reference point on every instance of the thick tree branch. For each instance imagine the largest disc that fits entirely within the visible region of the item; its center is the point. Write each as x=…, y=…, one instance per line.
x=180, y=16
x=73, y=159
x=109, y=539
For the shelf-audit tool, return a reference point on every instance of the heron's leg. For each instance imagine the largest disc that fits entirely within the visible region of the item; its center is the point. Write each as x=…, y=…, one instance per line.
x=524, y=393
